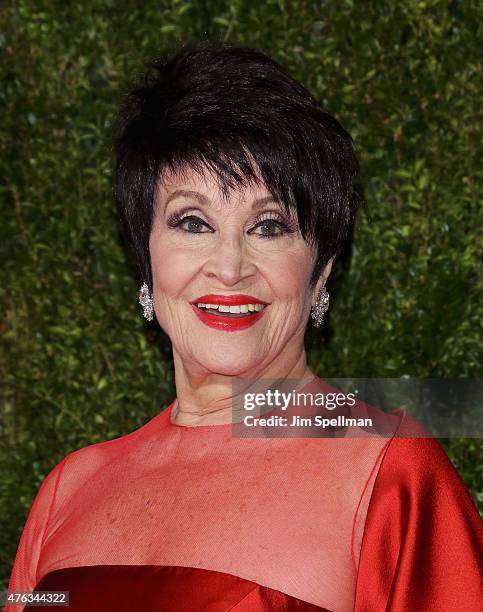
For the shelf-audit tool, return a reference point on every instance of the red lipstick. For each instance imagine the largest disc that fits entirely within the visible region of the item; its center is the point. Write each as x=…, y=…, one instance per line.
x=225, y=323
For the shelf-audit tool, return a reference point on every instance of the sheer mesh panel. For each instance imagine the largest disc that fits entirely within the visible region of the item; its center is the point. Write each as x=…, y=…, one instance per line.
x=286, y=513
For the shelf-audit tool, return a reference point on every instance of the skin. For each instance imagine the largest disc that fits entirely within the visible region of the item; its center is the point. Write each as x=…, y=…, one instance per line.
x=228, y=256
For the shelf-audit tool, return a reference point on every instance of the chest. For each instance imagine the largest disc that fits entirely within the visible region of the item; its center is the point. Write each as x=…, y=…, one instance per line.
x=282, y=528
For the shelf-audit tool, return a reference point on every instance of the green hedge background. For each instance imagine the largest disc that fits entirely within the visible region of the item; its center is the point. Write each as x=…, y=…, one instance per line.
x=78, y=363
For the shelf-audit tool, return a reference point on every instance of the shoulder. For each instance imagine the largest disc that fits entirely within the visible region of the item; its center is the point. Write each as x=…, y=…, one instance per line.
x=79, y=467
x=416, y=478
x=413, y=455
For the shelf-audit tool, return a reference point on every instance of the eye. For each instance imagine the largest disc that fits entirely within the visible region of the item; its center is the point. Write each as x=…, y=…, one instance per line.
x=271, y=227
x=189, y=223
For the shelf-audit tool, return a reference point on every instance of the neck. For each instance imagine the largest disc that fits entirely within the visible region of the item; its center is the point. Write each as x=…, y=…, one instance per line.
x=206, y=398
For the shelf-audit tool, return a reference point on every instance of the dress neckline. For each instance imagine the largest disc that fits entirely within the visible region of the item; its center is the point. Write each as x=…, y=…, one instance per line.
x=217, y=426
x=172, y=424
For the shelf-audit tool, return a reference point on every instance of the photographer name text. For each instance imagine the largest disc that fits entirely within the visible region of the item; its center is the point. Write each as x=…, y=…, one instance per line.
x=299, y=421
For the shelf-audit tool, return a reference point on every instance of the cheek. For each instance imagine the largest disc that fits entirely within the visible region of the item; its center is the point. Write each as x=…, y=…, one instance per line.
x=171, y=269
x=288, y=274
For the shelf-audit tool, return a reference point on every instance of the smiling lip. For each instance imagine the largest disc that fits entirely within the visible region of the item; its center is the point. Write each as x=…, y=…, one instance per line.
x=224, y=323
x=228, y=300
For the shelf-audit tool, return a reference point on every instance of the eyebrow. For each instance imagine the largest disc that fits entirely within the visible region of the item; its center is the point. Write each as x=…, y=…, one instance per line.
x=204, y=201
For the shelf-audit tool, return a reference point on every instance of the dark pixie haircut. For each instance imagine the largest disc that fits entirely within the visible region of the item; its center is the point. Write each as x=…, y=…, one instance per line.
x=208, y=105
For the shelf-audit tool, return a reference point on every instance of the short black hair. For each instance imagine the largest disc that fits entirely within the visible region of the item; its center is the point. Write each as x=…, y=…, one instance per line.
x=204, y=107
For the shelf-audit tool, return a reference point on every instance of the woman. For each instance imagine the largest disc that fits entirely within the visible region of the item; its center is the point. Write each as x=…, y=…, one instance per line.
x=237, y=192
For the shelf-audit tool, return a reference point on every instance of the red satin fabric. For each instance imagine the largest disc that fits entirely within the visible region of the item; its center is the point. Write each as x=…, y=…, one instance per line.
x=363, y=523
x=422, y=547
x=124, y=588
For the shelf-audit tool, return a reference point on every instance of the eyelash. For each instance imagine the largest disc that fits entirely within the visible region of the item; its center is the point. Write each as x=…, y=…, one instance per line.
x=176, y=220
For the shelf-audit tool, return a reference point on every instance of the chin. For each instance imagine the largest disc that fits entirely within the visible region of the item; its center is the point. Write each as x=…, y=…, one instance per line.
x=232, y=363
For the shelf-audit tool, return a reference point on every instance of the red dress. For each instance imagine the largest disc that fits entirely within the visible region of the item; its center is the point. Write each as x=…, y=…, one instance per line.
x=178, y=518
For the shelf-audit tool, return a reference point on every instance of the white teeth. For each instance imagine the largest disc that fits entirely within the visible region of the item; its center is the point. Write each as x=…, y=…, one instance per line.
x=242, y=308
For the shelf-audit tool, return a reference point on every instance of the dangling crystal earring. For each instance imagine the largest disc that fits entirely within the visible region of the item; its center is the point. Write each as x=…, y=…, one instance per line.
x=146, y=301
x=321, y=307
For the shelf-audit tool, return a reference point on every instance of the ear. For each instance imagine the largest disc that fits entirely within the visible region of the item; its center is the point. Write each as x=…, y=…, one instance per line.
x=322, y=280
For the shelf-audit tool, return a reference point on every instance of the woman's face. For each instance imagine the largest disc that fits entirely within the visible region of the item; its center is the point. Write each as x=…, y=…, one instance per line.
x=207, y=250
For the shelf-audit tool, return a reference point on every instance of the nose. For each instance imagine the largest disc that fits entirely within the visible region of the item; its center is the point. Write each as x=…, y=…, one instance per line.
x=229, y=261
